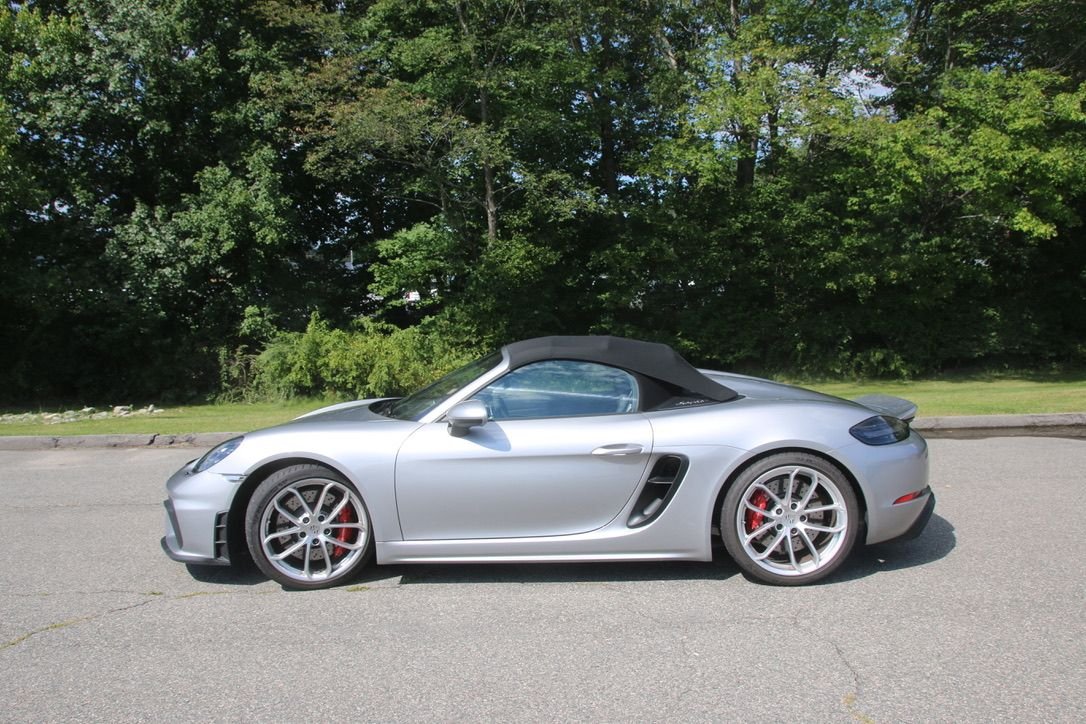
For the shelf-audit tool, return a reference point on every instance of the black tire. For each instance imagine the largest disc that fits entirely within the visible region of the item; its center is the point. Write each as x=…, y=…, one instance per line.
x=780, y=531
x=307, y=527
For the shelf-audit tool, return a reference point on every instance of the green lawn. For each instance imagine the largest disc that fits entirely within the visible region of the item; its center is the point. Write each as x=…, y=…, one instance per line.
x=934, y=397
x=237, y=417
x=974, y=397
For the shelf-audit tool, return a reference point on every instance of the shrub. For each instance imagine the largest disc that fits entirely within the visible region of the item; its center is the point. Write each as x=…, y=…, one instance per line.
x=372, y=359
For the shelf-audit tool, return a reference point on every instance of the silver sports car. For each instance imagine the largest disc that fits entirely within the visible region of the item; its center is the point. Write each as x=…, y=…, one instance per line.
x=561, y=449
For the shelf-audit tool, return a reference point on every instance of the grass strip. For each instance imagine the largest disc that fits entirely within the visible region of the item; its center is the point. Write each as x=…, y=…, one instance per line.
x=1009, y=396
x=950, y=397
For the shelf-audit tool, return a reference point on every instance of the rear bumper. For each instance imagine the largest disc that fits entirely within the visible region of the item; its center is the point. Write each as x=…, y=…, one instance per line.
x=921, y=522
x=887, y=474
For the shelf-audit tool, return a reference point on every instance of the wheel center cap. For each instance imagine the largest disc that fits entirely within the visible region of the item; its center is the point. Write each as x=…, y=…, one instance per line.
x=790, y=520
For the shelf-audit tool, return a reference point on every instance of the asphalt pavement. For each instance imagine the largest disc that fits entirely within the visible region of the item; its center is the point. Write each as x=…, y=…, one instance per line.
x=981, y=618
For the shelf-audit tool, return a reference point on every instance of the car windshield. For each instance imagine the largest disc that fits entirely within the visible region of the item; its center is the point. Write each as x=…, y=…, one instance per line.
x=417, y=404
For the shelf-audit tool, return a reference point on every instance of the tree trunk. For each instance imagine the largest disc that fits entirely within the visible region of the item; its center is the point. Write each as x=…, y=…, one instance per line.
x=488, y=172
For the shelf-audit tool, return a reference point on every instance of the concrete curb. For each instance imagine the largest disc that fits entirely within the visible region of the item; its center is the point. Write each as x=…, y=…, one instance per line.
x=973, y=427
x=72, y=442
x=1071, y=424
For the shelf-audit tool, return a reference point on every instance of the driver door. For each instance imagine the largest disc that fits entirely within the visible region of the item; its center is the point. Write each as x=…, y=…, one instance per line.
x=564, y=451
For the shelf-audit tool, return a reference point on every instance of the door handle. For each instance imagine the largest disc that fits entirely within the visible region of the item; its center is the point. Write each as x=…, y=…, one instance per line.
x=618, y=449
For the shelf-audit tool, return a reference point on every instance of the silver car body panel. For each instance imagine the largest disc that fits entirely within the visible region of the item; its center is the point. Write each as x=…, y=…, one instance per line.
x=542, y=477
x=560, y=489
x=195, y=500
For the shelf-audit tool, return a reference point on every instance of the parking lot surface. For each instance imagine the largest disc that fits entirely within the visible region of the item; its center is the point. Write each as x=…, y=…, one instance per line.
x=980, y=618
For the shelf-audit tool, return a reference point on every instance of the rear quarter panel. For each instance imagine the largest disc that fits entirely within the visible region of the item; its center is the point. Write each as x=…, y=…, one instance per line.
x=720, y=439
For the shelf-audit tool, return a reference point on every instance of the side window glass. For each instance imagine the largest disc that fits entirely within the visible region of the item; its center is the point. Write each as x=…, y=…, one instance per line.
x=560, y=388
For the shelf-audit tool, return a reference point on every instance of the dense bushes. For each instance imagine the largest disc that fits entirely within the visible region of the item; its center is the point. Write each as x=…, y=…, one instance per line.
x=368, y=360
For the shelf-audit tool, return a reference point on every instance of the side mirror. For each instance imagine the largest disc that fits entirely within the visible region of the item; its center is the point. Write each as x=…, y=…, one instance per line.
x=465, y=415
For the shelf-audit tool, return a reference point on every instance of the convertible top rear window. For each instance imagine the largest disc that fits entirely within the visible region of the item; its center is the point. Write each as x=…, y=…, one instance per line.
x=657, y=361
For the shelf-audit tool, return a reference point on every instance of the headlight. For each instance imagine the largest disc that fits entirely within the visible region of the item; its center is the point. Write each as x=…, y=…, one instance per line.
x=217, y=454
x=880, y=430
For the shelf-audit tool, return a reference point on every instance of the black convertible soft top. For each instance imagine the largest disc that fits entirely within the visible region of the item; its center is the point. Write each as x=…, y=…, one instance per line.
x=657, y=361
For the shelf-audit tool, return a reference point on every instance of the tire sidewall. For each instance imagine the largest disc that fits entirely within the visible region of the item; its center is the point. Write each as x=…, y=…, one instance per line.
x=263, y=496
x=736, y=492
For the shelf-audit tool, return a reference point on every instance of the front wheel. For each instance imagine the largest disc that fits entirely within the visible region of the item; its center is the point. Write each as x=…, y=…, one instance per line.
x=307, y=527
x=790, y=519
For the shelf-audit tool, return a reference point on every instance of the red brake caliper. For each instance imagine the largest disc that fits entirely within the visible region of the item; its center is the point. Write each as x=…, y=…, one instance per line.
x=754, y=520
x=343, y=533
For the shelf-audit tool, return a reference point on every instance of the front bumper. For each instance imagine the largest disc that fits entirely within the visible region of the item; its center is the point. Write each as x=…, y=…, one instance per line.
x=197, y=511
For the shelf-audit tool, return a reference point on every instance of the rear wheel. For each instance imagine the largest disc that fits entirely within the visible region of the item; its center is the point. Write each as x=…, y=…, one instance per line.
x=790, y=519
x=307, y=527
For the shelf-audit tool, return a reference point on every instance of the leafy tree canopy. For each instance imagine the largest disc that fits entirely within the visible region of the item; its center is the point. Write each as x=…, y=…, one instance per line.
x=838, y=186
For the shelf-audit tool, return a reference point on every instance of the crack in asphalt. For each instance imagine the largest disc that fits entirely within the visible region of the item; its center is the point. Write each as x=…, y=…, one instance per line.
x=149, y=596
x=53, y=506
x=68, y=623
x=851, y=697
x=46, y=594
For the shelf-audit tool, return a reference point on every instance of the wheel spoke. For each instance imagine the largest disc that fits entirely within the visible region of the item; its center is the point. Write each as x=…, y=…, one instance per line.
x=761, y=511
x=816, y=559
x=768, y=492
x=305, y=567
x=301, y=500
x=791, y=486
x=836, y=508
x=320, y=498
x=360, y=527
x=769, y=549
x=791, y=551
x=286, y=513
x=346, y=544
x=356, y=525
x=339, y=506
x=281, y=534
x=758, y=531
x=288, y=552
x=824, y=528
x=327, y=558
x=810, y=493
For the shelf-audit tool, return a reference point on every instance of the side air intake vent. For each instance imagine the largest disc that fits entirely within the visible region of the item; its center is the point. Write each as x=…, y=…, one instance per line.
x=663, y=481
x=220, y=536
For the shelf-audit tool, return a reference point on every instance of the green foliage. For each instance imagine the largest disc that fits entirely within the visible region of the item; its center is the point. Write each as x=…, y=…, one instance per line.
x=370, y=360
x=273, y=198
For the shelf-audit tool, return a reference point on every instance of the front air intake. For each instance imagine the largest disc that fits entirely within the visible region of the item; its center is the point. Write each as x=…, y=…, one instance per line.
x=220, y=536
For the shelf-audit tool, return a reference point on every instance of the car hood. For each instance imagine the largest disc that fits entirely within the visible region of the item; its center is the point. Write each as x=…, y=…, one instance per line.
x=354, y=411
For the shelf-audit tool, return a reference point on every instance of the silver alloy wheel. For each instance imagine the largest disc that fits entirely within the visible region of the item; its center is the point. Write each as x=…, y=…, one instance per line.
x=792, y=520
x=314, y=530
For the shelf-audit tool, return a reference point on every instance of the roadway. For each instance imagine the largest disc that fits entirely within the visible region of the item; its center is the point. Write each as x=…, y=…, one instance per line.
x=980, y=618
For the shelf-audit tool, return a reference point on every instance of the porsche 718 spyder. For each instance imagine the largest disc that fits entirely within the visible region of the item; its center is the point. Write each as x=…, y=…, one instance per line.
x=561, y=449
